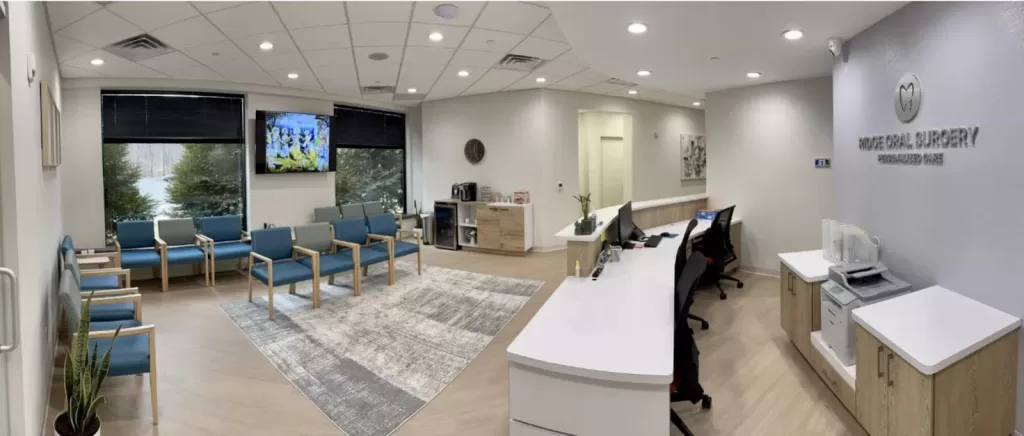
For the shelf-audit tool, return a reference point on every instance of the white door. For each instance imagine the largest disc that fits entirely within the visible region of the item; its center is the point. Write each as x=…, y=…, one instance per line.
x=9, y=334
x=612, y=163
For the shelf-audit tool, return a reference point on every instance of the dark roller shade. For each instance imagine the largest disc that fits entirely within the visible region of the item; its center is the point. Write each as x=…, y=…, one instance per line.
x=143, y=117
x=357, y=127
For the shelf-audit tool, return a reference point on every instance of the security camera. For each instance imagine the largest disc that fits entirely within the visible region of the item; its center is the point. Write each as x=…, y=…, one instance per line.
x=835, y=46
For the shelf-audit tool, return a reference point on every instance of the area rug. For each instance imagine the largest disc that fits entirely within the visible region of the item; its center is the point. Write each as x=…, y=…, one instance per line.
x=369, y=363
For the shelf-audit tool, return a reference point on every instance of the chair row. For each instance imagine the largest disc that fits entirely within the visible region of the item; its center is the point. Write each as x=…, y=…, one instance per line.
x=331, y=214
x=321, y=249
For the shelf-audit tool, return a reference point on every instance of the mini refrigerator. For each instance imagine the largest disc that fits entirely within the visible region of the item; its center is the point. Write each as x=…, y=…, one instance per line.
x=446, y=225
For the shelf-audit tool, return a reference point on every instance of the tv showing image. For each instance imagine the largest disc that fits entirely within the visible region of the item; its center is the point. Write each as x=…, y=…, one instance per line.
x=290, y=142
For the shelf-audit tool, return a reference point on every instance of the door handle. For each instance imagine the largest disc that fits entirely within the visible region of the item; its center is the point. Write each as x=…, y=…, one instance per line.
x=888, y=369
x=15, y=310
x=791, y=284
x=878, y=360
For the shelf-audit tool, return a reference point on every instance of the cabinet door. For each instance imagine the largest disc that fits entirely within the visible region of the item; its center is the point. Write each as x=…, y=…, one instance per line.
x=910, y=410
x=872, y=390
x=803, y=315
x=786, y=300
x=511, y=225
x=487, y=228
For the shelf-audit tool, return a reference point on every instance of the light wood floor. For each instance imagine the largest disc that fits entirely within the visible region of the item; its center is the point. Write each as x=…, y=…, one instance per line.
x=213, y=381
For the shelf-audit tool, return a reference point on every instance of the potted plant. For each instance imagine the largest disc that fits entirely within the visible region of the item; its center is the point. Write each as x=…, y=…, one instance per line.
x=419, y=215
x=584, y=226
x=83, y=375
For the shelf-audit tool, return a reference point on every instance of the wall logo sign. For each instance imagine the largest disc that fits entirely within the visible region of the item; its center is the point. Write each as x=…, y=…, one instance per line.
x=908, y=97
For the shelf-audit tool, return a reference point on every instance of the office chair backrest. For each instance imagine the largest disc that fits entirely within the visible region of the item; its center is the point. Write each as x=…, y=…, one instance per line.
x=687, y=283
x=681, y=252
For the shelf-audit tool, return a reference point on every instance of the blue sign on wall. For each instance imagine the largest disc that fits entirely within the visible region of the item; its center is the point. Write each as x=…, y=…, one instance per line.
x=823, y=162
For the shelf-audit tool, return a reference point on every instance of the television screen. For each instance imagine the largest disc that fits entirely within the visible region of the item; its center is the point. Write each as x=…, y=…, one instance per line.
x=289, y=142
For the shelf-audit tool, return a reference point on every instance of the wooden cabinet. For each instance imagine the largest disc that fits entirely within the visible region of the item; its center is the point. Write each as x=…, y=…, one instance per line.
x=787, y=299
x=504, y=228
x=487, y=227
x=871, y=384
x=800, y=309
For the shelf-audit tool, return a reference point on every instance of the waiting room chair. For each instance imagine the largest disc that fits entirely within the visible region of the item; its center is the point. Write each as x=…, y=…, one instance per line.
x=371, y=208
x=128, y=303
x=326, y=214
x=134, y=351
x=354, y=231
x=137, y=246
x=352, y=211
x=273, y=248
x=319, y=238
x=225, y=240
x=180, y=245
x=96, y=279
x=685, y=381
x=383, y=226
x=68, y=244
x=717, y=246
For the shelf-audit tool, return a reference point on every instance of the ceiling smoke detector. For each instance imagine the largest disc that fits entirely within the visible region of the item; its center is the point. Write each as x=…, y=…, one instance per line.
x=378, y=56
x=447, y=11
x=138, y=47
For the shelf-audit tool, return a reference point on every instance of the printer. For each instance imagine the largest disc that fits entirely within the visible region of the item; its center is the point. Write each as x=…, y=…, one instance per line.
x=851, y=286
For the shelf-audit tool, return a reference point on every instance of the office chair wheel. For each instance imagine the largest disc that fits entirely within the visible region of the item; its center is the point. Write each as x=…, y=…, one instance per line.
x=705, y=402
x=722, y=296
x=739, y=285
x=704, y=325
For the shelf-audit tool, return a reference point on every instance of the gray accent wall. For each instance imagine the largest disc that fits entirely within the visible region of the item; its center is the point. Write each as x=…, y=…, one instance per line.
x=957, y=225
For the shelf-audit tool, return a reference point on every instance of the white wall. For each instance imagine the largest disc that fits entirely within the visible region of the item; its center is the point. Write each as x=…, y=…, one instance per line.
x=762, y=141
x=82, y=172
x=954, y=225
x=36, y=201
x=531, y=138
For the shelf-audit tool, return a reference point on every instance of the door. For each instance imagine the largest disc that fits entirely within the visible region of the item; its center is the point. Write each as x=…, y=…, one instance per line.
x=872, y=389
x=910, y=398
x=786, y=300
x=612, y=158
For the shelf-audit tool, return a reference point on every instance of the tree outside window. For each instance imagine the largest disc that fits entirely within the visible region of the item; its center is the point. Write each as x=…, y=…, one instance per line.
x=371, y=174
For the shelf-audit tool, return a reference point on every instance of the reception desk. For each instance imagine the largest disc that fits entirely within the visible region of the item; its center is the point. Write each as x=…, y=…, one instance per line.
x=646, y=215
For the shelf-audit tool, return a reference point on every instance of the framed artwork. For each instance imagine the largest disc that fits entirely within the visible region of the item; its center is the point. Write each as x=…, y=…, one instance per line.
x=693, y=151
x=50, y=119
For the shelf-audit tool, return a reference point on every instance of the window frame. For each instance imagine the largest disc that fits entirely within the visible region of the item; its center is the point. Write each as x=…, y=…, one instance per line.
x=404, y=147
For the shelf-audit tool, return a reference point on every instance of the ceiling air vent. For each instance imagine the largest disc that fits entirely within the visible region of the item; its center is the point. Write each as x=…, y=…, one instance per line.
x=519, y=63
x=139, y=47
x=378, y=90
x=620, y=82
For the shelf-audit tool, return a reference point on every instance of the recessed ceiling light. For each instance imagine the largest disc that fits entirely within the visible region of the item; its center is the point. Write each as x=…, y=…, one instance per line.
x=266, y=46
x=378, y=56
x=753, y=74
x=541, y=80
x=632, y=92
x=411, y=90
x=96, y=61
x=447, y=11
x=436, y=36
x=793, y=34
x=463, y=73
x=637, y=28
x=643, y=73
x=293, y=75
x=696, y=103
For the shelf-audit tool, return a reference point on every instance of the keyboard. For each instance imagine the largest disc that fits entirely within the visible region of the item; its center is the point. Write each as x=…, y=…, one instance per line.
x=652, y=241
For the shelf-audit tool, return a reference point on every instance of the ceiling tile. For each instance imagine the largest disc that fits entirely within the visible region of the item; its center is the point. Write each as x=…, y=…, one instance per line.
x=540, y=48
x=100, y=28
x=245, y=20
x=427, y=55
x=329, y=58
x=64, y=13
x=494, y=80
x=166, y=63
x=468, y=11
x=212, y=6
x=370, y=34
x=69, y=48
x=306, y=79
x=113, y=66
x=189, y=33
x=450, y=84
x=251, y=44
x=242, y=70
x=559, y=69
x=297, y=15
x=420, y=76
x=571, y=58
x=491, y=40
x=549, y=30
x=153, y=15
x=377, y=12
x=336, y=74
x=602, y=88
x=513, y=17
x=394, y=54
x=213, y=53
x=419, y=35
x=580, y=80
x=199, y=72
x=475, y=58
x=529, y=82
x=321, y=38
x=341, y=88
x=281, y=61
x=69, y=72
x=377, y=73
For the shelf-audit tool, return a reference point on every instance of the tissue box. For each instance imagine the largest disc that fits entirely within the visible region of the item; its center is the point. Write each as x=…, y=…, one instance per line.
x=706, y=214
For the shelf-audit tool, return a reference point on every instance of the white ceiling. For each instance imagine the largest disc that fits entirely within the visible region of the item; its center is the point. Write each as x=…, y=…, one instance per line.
x=328, y=43
x=682, y=37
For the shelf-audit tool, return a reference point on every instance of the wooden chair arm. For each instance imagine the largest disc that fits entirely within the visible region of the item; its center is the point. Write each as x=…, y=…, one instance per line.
x=133, y=298
x=130, y=331
x=253, y=254
x=160, y=244
x=306, y=251
x=92, y=255
x=381, y=237
x=111, y=292
x=245, y=236
x=351, y=245
x=105, y=272
x=415, y=233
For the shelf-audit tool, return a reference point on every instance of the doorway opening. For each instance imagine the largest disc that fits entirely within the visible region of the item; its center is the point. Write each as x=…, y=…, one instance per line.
x=606, y=157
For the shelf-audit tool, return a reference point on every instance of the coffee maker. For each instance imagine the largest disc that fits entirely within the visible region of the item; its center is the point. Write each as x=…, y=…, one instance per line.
x=464, y=191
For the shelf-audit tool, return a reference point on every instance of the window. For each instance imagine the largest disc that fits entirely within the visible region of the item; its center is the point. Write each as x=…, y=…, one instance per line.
x=172, y=156
x=371, y=157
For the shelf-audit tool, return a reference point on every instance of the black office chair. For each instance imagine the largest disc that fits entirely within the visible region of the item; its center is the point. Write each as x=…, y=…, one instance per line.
x=718, y=248
x=686, y=367
x=680, y=262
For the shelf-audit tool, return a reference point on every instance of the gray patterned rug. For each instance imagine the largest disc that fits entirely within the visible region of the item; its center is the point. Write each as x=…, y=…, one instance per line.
x=369, y=363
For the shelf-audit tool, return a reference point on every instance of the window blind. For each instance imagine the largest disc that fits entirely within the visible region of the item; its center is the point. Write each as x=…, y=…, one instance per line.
x=160, y=117
x=367, y=128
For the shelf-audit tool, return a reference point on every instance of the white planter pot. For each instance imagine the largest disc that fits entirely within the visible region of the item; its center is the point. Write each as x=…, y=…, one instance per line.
x=55, y=433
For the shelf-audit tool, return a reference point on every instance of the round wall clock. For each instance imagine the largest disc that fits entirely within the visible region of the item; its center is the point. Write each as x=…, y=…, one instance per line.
x=474, y=151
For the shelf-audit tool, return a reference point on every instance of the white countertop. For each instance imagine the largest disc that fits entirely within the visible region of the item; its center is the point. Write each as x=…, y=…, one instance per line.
x=618, y=328
x=934, y=327
x=811, y=266
x=605, y=216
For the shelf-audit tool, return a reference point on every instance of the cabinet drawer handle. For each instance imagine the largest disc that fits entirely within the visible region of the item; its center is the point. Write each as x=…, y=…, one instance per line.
x=878, y=360
x=888, y=369
x=830, y=311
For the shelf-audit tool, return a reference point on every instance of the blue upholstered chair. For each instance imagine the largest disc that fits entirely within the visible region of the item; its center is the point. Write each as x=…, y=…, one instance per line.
x=68, y=244
x=354, y=231
x=134, y=351
x=137, y=246
x=384, y=225
x=181, y=246
x=126, y=308
x=95, y=279
x=273, y=248
x=319, y=238
x=225, y=240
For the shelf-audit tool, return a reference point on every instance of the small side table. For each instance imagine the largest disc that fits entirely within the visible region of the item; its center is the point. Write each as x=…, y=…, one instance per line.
x=97, y=262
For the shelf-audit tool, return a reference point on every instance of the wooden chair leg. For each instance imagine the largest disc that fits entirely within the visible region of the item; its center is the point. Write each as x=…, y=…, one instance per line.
x=291, y=289
x=152, y=377
x=316, y=293
x=250, y=285
x=270, y=300
x=330, y=279
x=419, y=262
x=356, y=280
x=163, y=275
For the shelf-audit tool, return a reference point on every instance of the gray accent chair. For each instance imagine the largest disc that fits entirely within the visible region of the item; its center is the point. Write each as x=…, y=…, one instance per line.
x=372, y=208
x=352, y=211
x=179, y=244
x=326, y=214
x=319, y=239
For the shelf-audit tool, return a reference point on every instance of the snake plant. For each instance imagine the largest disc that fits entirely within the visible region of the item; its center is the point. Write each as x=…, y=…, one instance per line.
x=84, y=373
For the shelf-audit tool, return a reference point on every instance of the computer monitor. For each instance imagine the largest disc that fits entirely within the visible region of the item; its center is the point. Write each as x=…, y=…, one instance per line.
x=625, y=219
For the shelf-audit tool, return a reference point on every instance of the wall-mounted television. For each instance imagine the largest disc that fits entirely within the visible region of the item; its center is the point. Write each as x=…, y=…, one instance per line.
x=292, y=142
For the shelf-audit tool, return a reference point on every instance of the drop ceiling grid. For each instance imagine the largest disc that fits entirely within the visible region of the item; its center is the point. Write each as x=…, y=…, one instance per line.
x=327, y=44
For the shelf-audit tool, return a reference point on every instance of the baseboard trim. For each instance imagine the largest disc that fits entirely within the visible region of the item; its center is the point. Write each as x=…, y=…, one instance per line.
x=760, y=271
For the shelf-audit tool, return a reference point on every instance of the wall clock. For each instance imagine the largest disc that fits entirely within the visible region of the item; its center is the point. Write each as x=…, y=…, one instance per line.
x=474, y=151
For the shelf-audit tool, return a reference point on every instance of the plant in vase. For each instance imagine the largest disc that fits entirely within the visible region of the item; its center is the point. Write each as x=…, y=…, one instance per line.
x=419, y=215
x=585, y=226
x=84, y=373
